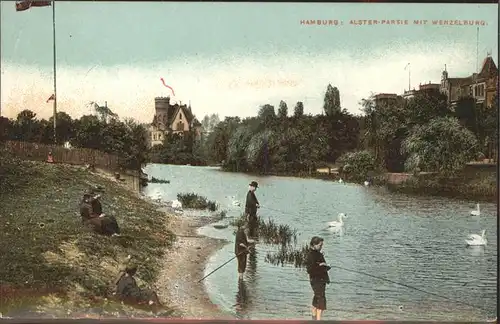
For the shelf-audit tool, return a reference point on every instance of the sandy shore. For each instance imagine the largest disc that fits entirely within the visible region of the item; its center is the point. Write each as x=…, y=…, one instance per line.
x=184, y=265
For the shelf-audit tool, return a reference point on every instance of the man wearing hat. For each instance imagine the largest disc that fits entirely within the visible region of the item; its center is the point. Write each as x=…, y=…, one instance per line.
x=251, y=206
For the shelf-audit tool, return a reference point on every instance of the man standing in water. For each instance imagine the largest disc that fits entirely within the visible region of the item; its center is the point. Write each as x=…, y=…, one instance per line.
x=241, y=249
x=251, y=206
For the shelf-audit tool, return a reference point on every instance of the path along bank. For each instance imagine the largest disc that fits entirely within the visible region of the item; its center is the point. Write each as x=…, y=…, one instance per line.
x=53, y=268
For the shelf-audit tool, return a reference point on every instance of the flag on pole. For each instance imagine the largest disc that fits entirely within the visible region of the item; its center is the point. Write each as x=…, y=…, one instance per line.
x=25, y=5
x=52, y=97
x=407, y=65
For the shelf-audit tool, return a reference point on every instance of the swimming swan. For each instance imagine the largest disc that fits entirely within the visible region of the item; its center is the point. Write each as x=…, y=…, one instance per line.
x=339, y=222
x=476, y=240
x=476, y=212
x=367, y=183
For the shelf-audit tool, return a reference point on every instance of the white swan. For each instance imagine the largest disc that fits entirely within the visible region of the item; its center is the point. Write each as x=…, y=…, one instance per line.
x=367, y=183
x=339, y=222
x=476, y=212
x=235, y=202
x=341, y=181
x=476, y=240
x=176, y=204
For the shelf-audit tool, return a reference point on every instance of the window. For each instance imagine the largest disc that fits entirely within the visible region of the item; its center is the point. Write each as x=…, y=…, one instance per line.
x=154, y=137
x=180, y=116
x=479, y=90
x=180, y=126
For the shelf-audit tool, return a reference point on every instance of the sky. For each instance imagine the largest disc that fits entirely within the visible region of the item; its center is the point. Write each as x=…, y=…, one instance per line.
x=230, y=58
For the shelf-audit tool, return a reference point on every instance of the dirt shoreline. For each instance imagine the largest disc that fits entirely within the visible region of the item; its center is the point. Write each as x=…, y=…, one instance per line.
x=183, y=265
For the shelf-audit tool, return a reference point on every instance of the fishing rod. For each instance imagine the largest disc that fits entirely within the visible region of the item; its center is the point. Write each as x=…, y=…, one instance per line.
x=234, y=257
x=372, y=276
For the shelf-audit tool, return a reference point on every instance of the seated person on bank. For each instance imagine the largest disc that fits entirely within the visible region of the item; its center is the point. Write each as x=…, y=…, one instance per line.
x=129, y=292
x=91, y=212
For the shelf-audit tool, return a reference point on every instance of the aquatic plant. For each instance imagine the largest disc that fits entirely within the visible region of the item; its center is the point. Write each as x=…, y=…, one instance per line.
x=271, y=233
x=157, y=180
x=222, y=214
x=288, y=255
x=192, y=200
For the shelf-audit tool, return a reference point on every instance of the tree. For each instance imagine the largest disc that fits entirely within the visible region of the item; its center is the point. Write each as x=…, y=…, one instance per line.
x=331, y=104
x=442, y=145
x=357, y=166
x=425, y=106
x=266, y=115
x=103, y=112
x=489, y=123
x=27, y=127
x=371, y=135
x=282, y=110
x=210, y=122
x=64, y=126
x=218, y=140
x=466, y=112
x=298, y=111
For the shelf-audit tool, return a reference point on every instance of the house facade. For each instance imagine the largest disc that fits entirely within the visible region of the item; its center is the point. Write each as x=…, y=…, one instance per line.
x=482, y=86
x=172, y=119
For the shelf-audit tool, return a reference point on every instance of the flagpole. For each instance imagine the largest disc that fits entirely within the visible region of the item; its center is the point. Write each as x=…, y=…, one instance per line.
x=409, y=76
x=54, y=50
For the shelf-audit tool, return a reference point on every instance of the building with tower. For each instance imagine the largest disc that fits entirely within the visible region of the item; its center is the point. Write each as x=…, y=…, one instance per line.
x=482, y=86
x=172, y=119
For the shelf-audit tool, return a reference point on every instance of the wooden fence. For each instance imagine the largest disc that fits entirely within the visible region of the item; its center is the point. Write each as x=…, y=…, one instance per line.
x=78, y=156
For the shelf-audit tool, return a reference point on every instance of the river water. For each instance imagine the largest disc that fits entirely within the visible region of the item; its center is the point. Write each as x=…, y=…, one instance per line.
x=416, y=241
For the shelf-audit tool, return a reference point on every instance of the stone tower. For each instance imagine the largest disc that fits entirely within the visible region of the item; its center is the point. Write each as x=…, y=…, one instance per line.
x=162, y=110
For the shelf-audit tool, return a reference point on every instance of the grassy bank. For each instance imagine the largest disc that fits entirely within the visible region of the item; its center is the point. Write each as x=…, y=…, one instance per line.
x=49, y=260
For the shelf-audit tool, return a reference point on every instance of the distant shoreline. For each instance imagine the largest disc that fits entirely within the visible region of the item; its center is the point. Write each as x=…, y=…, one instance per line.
x=472, y=191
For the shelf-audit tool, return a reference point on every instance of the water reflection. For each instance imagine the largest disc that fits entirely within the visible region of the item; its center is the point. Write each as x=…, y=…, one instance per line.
x=242, y=300
x=475, y=250
x=243, y=297
x=252, y=267
x=336, y=231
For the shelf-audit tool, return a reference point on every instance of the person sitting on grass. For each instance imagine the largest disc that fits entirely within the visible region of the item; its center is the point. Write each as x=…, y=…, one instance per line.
x=129, y=292
x=92, y=215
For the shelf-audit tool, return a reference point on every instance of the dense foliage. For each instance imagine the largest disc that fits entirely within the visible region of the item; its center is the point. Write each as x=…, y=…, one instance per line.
x=127, y=139
x=421, y=133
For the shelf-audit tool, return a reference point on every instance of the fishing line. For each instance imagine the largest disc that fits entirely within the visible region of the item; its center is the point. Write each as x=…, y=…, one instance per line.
x=369, y=275
x=279, y=211
x=411, y=287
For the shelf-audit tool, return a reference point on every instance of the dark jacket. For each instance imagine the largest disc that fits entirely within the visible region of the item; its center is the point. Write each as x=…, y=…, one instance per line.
x=240, y=238
x=128, y=290
x=251, y=203
x=315, y=271
x=96, y=206
x=85, y=210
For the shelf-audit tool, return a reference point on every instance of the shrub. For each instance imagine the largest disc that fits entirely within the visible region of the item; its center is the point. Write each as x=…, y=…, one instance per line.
x=192, y=200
